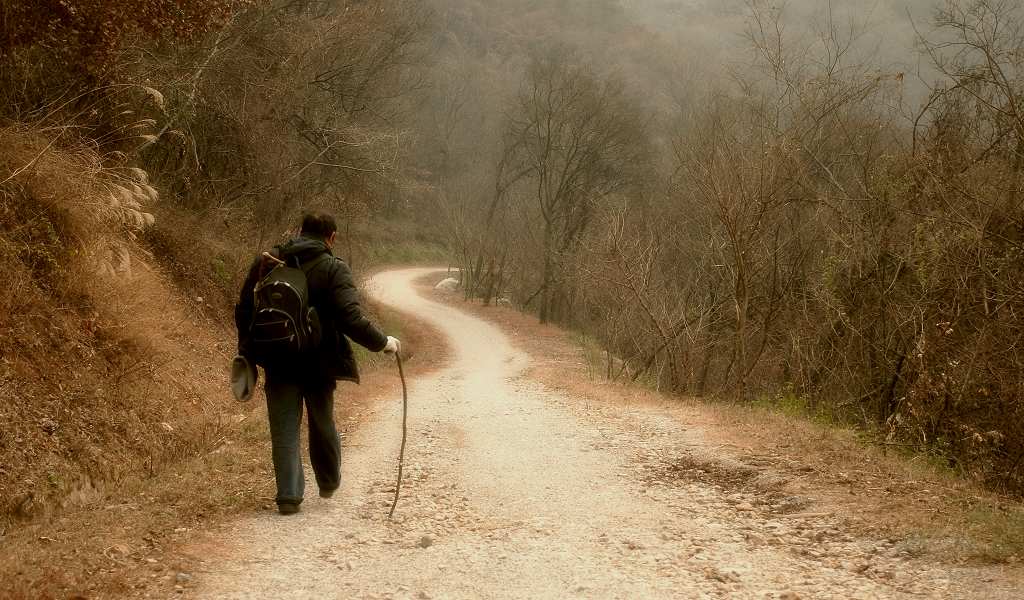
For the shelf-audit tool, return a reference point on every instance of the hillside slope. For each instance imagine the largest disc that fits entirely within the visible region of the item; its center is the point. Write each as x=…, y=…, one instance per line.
x=120, y=433
x=114, y=370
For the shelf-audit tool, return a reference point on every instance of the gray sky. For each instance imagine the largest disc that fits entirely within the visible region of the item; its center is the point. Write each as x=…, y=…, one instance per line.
x=708, y=34
x=717, y=24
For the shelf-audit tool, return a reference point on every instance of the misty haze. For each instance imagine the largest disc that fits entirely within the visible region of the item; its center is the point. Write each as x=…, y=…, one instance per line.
x=417, y=299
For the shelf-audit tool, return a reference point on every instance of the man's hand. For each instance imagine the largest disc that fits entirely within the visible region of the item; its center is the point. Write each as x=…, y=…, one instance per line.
x=394, y=346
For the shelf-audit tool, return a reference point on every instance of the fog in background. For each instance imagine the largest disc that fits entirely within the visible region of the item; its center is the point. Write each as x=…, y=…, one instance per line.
x=711, y=41
x=749, y=198
x=674, y=51
x=716, y=26
x=672, y=55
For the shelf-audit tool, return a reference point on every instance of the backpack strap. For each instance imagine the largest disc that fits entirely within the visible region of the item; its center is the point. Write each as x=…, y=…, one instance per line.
x=310, y=264
x=308, y=267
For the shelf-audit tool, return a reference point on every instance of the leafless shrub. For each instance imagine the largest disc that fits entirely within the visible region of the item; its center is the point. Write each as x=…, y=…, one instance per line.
x=810, y=241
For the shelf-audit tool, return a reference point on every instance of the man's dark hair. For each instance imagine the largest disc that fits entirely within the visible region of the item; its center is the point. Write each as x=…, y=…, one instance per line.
x=318, y=225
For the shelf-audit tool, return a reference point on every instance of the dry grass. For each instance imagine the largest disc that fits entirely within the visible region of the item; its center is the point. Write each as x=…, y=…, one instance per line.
x=108, y=366
x=878, y=490
x=95, y=341
x=92, y=207
x=126, y=538
x=120, y=436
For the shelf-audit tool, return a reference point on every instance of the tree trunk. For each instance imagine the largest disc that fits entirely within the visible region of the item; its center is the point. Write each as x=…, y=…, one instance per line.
x=549, y=266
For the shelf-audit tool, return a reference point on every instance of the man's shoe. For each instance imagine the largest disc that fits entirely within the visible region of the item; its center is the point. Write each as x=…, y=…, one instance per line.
x=327, y=493
x=287, y=508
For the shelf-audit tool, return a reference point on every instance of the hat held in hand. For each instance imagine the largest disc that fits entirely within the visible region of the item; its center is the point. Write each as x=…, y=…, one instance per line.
x=243, y=378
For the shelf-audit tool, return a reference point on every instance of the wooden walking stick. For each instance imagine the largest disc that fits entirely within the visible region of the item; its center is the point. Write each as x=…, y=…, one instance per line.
x=405, y=429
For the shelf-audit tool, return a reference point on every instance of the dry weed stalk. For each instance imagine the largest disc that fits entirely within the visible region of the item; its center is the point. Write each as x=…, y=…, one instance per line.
x=96, y=209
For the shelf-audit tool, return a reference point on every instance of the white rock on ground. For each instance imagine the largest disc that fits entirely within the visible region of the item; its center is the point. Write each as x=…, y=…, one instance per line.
x=448, y=285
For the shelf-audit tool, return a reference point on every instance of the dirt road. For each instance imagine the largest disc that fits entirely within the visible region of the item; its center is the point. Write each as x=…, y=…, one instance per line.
x=513, y=491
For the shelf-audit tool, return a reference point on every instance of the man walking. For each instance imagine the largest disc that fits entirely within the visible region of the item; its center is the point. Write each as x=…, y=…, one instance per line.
x=310, y=375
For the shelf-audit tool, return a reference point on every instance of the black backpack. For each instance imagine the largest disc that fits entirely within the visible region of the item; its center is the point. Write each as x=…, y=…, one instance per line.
x=285, y=326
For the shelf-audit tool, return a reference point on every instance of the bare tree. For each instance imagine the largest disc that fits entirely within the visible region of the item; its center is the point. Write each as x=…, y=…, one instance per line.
x=576, y=139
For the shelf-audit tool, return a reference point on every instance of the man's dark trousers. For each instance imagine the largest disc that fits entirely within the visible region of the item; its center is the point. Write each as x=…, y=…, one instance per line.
x=285, y=395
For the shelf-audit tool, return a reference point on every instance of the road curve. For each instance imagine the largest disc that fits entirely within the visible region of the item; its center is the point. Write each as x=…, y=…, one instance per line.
x=513, y=491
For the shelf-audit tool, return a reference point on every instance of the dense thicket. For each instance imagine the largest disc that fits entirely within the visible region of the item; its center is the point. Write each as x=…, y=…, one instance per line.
x=816, y=229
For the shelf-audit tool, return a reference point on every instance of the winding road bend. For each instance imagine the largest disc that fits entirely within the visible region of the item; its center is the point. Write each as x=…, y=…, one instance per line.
x=514, y=491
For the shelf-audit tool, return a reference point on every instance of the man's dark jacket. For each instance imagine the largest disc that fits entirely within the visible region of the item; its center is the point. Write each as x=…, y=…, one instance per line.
x=334, y=296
